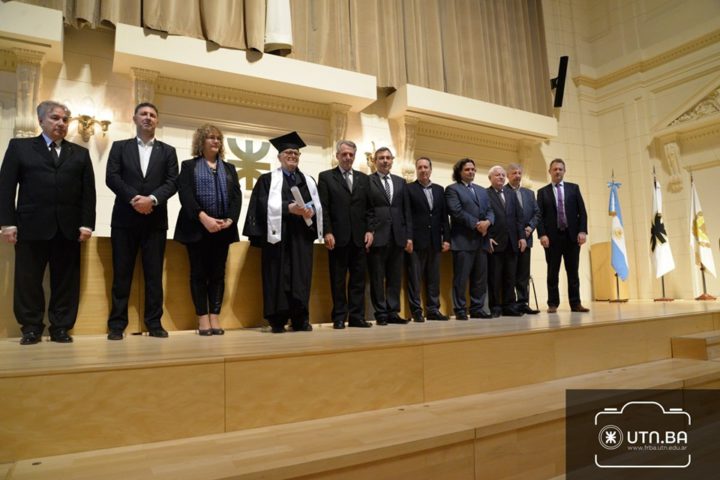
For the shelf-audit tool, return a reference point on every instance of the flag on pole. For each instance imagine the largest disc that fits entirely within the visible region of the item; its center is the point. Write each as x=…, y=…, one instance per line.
x=699, y=240
x=617, y=236
x=659, y=243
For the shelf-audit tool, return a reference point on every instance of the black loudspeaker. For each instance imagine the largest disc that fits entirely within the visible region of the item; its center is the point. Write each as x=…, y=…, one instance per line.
x=558, y=83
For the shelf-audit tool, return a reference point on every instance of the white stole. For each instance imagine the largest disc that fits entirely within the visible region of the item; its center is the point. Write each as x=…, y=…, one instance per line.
x=274, y=210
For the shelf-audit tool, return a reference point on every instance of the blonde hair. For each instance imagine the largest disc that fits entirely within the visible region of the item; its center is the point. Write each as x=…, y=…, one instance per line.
x=201, y=135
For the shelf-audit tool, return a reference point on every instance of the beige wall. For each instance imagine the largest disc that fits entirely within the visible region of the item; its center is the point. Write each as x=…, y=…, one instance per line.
x=632, y=78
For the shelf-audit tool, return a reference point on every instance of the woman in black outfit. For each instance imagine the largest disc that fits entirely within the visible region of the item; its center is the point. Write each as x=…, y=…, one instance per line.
x=210, y=195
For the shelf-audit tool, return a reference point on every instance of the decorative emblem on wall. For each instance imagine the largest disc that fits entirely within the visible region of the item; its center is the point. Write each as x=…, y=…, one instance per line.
x=248, y=162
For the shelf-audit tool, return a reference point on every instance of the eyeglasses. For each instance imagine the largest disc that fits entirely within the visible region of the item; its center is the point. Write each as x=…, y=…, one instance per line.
x=291, y=153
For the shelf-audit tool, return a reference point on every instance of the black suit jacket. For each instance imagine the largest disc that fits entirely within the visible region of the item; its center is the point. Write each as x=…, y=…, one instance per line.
x=124, y=177
x=574, y=211
x=508, y=228
x=188, y=228
x=393, y=221
x=430, y=228
x=346, y=215
x=50, y=198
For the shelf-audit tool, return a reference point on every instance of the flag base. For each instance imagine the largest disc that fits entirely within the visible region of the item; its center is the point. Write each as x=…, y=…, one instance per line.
x=664, y=300
x=705, y=296
x=618, y=300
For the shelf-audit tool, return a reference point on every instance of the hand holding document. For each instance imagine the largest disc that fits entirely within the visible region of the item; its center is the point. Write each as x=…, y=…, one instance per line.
x=299, y=200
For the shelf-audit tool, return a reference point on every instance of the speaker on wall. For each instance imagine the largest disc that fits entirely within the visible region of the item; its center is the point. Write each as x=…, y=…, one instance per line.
x=558, y=83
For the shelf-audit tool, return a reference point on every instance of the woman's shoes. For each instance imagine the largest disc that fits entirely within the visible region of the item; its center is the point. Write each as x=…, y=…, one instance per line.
x=217, y=331
x=205, y=333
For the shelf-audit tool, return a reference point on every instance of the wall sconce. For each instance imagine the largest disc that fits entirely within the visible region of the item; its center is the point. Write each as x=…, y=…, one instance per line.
x=86, y=126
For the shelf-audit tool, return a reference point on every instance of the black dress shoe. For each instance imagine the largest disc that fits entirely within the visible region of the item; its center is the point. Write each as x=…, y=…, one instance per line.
x=30, y=338
x=437, y=316
x=305, y=327
x=530, y=311
x=418, y=317
x=552, y=309
x=277, y=328
x=382, y=321
x=512, y=312
x=482, y=314
x=217, y=331
x=338, y=325
x=158, y=332
x=360, y=324
x=205, y=333
x=461, y=316
x=397, y=319
x=60, y=336
x=579, y=308
x=115, y=334
x=495, y=313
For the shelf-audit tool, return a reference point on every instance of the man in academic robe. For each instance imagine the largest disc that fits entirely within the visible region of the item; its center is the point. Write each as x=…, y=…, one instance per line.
x=562, y=231
x=141, y=171
x=349, y=224
x=431, y=237
x=54, y=213
x=506, y=240
x=284, y=218
x=393, y=234
x=530, y=216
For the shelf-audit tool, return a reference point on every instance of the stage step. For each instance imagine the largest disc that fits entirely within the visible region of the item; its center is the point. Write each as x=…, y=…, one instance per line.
x=699, y=346
x=512, y=433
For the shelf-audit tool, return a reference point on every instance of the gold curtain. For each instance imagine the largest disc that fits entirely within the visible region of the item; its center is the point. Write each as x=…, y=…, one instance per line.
x=491, y=50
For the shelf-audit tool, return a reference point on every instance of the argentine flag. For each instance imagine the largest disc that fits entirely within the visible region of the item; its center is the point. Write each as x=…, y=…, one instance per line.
x=617, y=236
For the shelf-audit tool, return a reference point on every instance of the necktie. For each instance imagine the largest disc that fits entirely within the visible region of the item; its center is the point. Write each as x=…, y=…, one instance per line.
x=53, y=153
x=348, y=180
x=561, y=218
x=519, y=197
x=502, y=197
x=387, y=189
x=291, y=177
x=472, y=191
x=429, y=196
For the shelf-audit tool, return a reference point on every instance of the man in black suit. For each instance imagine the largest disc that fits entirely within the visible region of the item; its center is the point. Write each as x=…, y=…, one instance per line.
x=562, y=231
x=530, y=217
x=348, y=223
x=507, y=240
x=141, y=172
x=471, y=215
x=431, y=237
x=393, y=234
x=55, y=212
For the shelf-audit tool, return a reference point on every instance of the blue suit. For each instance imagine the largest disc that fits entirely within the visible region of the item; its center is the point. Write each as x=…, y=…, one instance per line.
x=468, y=205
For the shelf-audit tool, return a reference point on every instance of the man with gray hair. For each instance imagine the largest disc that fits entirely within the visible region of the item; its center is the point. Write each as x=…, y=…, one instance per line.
x=530, y=216
x=348, y=225
x=55, y=212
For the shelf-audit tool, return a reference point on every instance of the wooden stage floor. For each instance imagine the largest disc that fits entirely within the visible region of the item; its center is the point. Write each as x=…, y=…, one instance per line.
x=94, y=352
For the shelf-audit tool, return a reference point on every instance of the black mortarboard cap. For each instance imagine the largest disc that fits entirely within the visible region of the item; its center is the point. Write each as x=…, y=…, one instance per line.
x=289, y=140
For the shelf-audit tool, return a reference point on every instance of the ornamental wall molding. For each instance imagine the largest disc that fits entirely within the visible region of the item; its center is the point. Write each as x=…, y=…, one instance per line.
x=466, y=136
x=241, y=98
x=707, y=107
x=7, y=61
x=651, y=63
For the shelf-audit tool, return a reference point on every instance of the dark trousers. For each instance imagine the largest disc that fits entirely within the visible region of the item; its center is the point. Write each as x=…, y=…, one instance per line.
x=501, y=283
x=566, y=249
x=125, y=245
x=348, y=293
x=522, y=277
x=385, y=265
x=425, y=264
x=469, y=265
x=31, y=260
x=207, y=273
x=297, y=313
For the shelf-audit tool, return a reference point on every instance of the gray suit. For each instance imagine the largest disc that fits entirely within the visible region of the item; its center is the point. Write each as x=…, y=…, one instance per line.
x=530, y=217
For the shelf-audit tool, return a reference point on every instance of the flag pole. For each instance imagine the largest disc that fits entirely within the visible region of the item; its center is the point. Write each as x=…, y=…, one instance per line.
x=705, y=295
x=617, y=298
x=663, y=298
